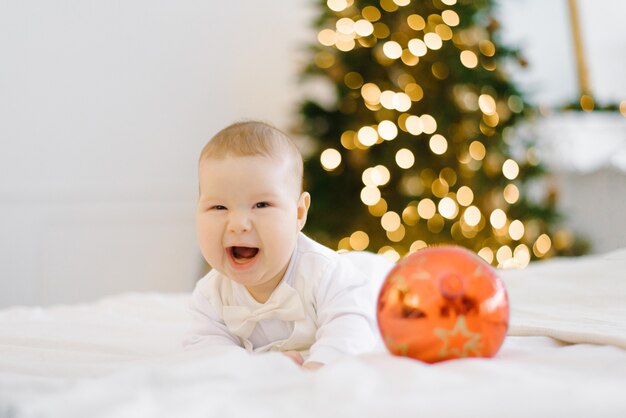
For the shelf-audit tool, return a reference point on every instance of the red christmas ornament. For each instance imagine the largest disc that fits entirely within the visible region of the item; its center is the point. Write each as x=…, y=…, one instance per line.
x=442, y=303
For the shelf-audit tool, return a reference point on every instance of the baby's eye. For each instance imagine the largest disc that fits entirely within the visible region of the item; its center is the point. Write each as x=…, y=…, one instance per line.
x=218, y=207
x=261, y=205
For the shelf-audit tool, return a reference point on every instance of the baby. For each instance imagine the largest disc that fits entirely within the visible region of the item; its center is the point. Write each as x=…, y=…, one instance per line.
x=271, y=288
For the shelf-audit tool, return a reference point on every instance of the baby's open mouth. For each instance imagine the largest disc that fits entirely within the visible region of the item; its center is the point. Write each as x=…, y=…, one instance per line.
x=242, y=255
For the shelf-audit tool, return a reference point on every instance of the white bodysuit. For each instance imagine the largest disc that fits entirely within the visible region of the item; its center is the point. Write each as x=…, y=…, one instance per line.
x=324, y=307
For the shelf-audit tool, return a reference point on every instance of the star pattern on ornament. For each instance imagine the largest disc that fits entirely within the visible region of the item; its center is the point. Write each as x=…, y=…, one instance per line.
x=421, y=275
x=479, y=272
x=458, y=341
x=401, y=349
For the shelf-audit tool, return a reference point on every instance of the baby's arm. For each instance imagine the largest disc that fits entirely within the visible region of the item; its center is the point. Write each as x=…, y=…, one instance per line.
x=346, y=323
x=207, y=329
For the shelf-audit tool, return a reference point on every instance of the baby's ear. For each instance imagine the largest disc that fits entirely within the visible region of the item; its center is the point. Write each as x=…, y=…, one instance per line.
x=303, y=208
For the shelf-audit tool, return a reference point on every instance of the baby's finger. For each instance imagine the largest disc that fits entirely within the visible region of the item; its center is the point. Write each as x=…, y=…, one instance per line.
x=295, y=356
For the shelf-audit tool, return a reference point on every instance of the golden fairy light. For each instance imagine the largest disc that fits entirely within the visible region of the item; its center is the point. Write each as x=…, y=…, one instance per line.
x=444, y=31
x=347, y=140
x=516, y=230
x=440, y=70
x=410, y=215
x=345, y=25
x=486, y=254
x=353, y=80
x=388, y=5
x=345, y=45
x=344, y=245
x=417, y=47
x=327, y=37
x=367, y=136
x=503, y=254
x=390, y=221
x=402, y=3
x=363, y=27
x=396, y=235
x=433, y=41
x=587, y=103
x=386, y=99
x=366, y=177
x=381, y=31
x=404, y=79
x=408, y=58
x=439, y=187
x=337, y=5
x=416, y=22
x=469, y=59
x=429, y=125
x=438, y=144
x=389, y=253
x=448, y=208
x=491, y=120
x=387, y=130
x=472, y=216
x=380, y=175
x=414, y=125
x=511, y=193
x=324, y=59
x=370, y=195
x=521, y=255
x=405, y=158
x=378, y=209
x=330, y=159
x=376, y=176
x=464, y=196
x=359, y=240
x=435, y=224
x=515, y=103
x=371, y=13
x=401, y=102
x=487, y=48
x=414, y=91
x=510, y=169
x=412, y=185
x=449, y=175
x=417, y=245
x=487, y=104
x=392, y=50
x=542, y=245
x=426, y=208
x=497, y=218
x=449, y=2
x=371, y=93
x=450, y=17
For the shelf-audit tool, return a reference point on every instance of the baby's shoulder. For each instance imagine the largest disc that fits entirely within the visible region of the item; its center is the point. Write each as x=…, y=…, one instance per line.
x=314, y=257
x=214, y=287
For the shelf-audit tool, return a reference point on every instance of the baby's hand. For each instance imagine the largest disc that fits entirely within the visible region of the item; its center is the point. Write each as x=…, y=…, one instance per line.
x=295, y=356
x=312, y=365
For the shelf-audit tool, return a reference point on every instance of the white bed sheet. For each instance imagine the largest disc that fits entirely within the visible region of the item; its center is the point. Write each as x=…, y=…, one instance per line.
x=121, y=357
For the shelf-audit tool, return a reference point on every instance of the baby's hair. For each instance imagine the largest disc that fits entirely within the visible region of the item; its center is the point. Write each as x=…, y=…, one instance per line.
x=252, y=138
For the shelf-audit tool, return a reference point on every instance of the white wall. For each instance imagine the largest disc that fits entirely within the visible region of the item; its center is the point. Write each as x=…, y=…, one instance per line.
x=542, y=29
x=104, y=106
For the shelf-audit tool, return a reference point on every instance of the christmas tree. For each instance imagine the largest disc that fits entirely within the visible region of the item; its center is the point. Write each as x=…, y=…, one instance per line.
x=417, y=147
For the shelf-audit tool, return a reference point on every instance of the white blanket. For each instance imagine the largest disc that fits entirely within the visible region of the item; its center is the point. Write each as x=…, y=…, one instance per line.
x=121, y=357
x=577, y=300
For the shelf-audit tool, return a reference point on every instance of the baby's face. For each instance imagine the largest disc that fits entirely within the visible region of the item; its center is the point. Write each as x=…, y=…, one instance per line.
x=248, y=217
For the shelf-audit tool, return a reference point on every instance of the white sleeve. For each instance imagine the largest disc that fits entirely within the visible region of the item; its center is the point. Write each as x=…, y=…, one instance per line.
x=346, y=324
x=207, y=328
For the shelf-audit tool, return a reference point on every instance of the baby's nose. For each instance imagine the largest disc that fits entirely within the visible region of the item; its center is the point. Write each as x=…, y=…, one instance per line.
x=239, y=221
